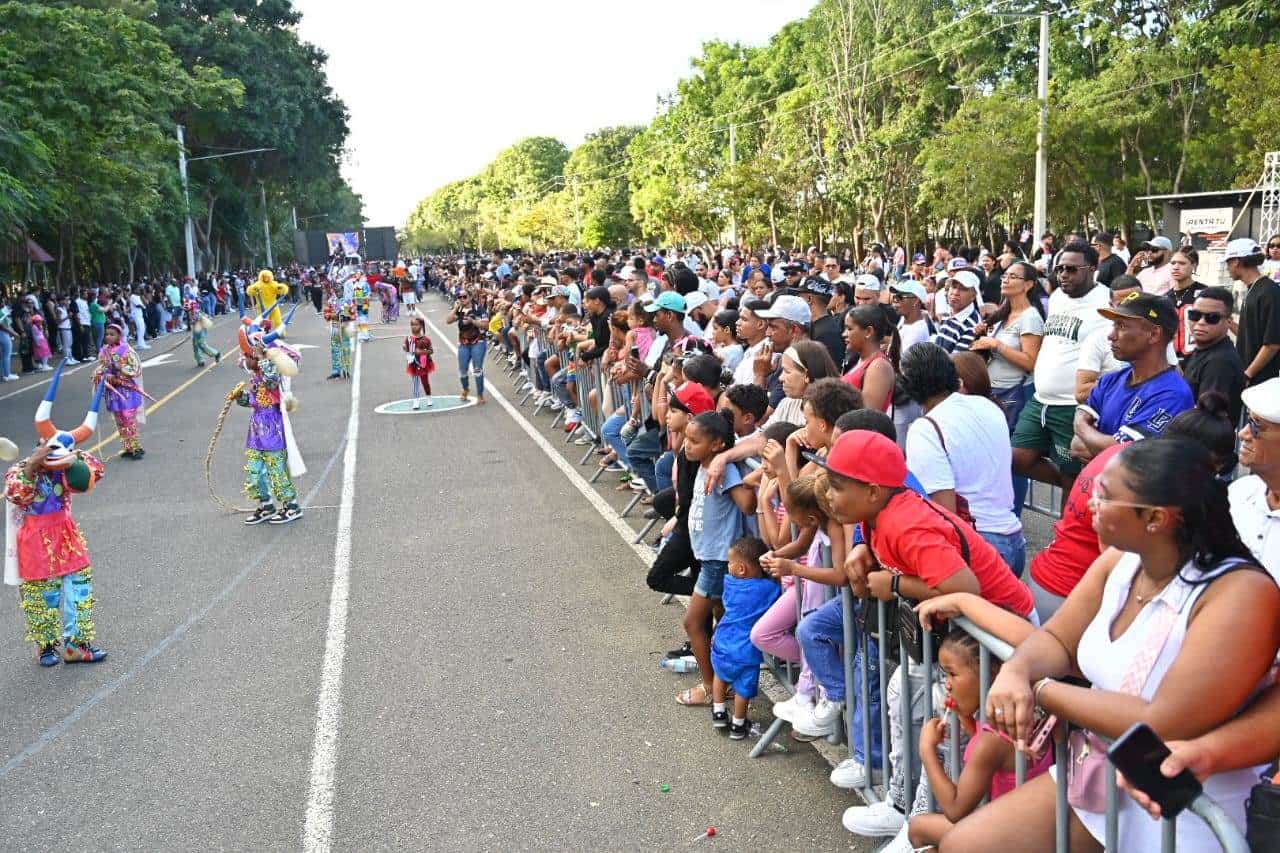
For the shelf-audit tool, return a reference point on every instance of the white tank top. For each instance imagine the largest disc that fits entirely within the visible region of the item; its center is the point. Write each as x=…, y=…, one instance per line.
x=1104, y=662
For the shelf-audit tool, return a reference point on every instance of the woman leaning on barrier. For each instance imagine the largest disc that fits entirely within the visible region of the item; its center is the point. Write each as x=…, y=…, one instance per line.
x=1151, y=625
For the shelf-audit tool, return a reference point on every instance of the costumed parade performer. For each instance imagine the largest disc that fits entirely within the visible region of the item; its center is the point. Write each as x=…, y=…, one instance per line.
x=46, y=555
x=267, y=294
x=360, y=295
x=340, y=332
x=120, y=370
x=200, y=323
x=272, y=458
x=418, y=355
x=389, y=296
x=405, y=283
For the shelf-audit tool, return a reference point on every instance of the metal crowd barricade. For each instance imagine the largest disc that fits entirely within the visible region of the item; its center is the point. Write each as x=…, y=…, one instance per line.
x=1224, y=830
x=1044, y=499
x=544, y=347
x=589, y=379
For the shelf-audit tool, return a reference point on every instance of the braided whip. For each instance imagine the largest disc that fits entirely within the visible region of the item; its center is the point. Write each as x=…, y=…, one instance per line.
x=213, y=442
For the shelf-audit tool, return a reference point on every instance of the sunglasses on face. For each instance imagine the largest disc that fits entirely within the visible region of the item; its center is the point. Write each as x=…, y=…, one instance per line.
x=1273, y=245
x=1069, y=269
x=1213, y=318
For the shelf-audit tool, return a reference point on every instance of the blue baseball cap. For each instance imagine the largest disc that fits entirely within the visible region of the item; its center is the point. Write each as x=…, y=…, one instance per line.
x=668, y=299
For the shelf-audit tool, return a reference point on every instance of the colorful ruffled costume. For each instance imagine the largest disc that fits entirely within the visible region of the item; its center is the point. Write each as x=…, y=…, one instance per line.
x=200, y=323
x=341, y=329
x=46, y=555
x=419, y=365
x=120, y=370
x=272, y=458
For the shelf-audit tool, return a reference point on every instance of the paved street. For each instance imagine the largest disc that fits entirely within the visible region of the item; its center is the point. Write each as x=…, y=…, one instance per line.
x=500, y=686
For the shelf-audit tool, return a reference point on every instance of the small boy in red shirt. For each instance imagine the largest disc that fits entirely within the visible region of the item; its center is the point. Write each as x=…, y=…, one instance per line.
x=918, y=549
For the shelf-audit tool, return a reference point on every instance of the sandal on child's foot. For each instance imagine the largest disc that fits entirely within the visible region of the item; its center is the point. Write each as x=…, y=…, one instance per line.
x=694, y=696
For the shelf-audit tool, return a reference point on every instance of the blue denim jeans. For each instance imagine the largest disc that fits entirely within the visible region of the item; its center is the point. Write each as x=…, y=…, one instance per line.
x=821, y=636
x=1012, y=548
x=611, y=431
x=472, y=355
x=642, y=453
x=6, y=354
x=541, y=379
x=1012, y=401
x=560, y=387
x=662, y=470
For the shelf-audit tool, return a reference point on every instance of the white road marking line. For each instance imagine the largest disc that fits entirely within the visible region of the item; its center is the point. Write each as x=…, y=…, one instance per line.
x=617, y=522
x=317, y=829
x=162, y=358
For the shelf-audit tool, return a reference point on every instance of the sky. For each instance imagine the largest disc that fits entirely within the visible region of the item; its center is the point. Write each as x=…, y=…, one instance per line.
x=436, y=89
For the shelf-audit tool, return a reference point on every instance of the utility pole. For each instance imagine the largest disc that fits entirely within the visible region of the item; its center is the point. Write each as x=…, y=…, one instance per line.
x=733, y=162
x=188, y=228
x=1040, y=215
x=577, y=214
x=293, y=210
x=266, y=225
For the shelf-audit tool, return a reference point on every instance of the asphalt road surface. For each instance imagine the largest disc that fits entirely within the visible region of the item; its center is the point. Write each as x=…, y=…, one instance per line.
x=489, y=680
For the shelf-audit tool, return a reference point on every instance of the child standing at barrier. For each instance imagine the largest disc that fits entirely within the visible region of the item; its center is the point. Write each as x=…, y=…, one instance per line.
x=990, y=757
x=774, y=633
x=716, y=520
x=420, y=366
x=747, y=595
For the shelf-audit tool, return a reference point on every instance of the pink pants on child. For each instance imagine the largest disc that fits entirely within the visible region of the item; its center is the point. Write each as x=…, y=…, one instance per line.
x=774, y=632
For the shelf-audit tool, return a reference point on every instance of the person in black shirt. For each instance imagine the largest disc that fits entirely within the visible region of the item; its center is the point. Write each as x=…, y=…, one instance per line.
x=1109, y=265
x=1215, y=364
x=1258, y=334
x=825, y=328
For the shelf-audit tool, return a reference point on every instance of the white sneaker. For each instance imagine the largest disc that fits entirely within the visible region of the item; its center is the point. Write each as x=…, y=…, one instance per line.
x=788, y=710
x=429, y=403
x=572, y=416
x=12, y=377
x=557, y=406
x=901, y=843
x=849, y=774
x=822, y=720
x=416, y=406
x=875, y=821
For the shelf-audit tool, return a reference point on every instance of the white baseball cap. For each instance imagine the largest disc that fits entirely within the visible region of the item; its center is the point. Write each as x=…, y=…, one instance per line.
x=790, y=308
x=1263, y=399
x=909, y=287
x=867, y=281
x=1242, y=247
x=694, y=300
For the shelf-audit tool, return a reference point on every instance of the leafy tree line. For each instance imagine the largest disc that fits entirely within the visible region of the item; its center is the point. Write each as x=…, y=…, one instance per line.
x=905, y=121
x=90, y=97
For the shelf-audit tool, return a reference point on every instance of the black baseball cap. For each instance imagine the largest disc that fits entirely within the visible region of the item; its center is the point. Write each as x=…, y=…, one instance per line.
x=1146, y=306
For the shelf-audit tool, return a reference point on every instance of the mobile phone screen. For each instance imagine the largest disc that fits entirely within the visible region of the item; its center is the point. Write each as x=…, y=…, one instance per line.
x=1138, y=753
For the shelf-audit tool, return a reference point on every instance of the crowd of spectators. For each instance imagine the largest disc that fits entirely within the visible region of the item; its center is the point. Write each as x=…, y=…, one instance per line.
x=800, y=422
x=43, y=324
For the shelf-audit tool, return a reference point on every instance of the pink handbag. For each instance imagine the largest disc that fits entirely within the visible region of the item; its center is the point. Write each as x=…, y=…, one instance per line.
x=1088, y=767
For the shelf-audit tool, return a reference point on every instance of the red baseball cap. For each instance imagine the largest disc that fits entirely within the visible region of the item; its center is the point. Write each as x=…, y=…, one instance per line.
x=867, y=457
x=692, y=399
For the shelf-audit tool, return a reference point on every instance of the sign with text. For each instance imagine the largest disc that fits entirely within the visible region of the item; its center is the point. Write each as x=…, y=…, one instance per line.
x=1210, y=225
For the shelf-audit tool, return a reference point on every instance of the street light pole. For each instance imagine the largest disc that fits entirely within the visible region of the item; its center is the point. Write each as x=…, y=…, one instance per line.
x=188, y=228
x=266, y=225
x=1040, y=214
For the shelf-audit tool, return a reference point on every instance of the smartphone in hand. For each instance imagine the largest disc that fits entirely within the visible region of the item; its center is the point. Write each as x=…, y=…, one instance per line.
x=1137, y=754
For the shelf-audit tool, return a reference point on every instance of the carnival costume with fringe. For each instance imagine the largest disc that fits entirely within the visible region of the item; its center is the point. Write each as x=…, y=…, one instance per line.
x=46, y=555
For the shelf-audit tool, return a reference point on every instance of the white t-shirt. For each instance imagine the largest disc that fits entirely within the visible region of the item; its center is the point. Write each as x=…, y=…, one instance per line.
x=135, y=302
x=710, y=289
x=976, y=462
x=691, y=327
x=82, y=308
x=1257, y=523
x=913, y=333
x=745, y=372
x=1004, y=373
x=1068, y=325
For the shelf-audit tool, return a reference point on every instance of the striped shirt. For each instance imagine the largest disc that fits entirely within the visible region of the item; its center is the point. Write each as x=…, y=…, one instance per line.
x=956, y=333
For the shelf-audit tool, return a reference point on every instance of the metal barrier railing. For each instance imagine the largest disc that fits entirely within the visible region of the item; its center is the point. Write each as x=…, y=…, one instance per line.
x=1224, y=830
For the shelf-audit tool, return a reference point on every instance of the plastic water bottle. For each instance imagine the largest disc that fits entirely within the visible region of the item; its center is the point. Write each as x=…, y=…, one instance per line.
x=688, y=663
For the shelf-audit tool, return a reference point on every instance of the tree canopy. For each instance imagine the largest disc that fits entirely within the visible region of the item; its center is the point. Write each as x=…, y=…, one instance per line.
x=88, y=152
x=911, y=121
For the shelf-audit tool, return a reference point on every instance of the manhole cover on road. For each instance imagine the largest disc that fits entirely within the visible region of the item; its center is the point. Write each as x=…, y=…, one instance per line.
x=445, y=403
